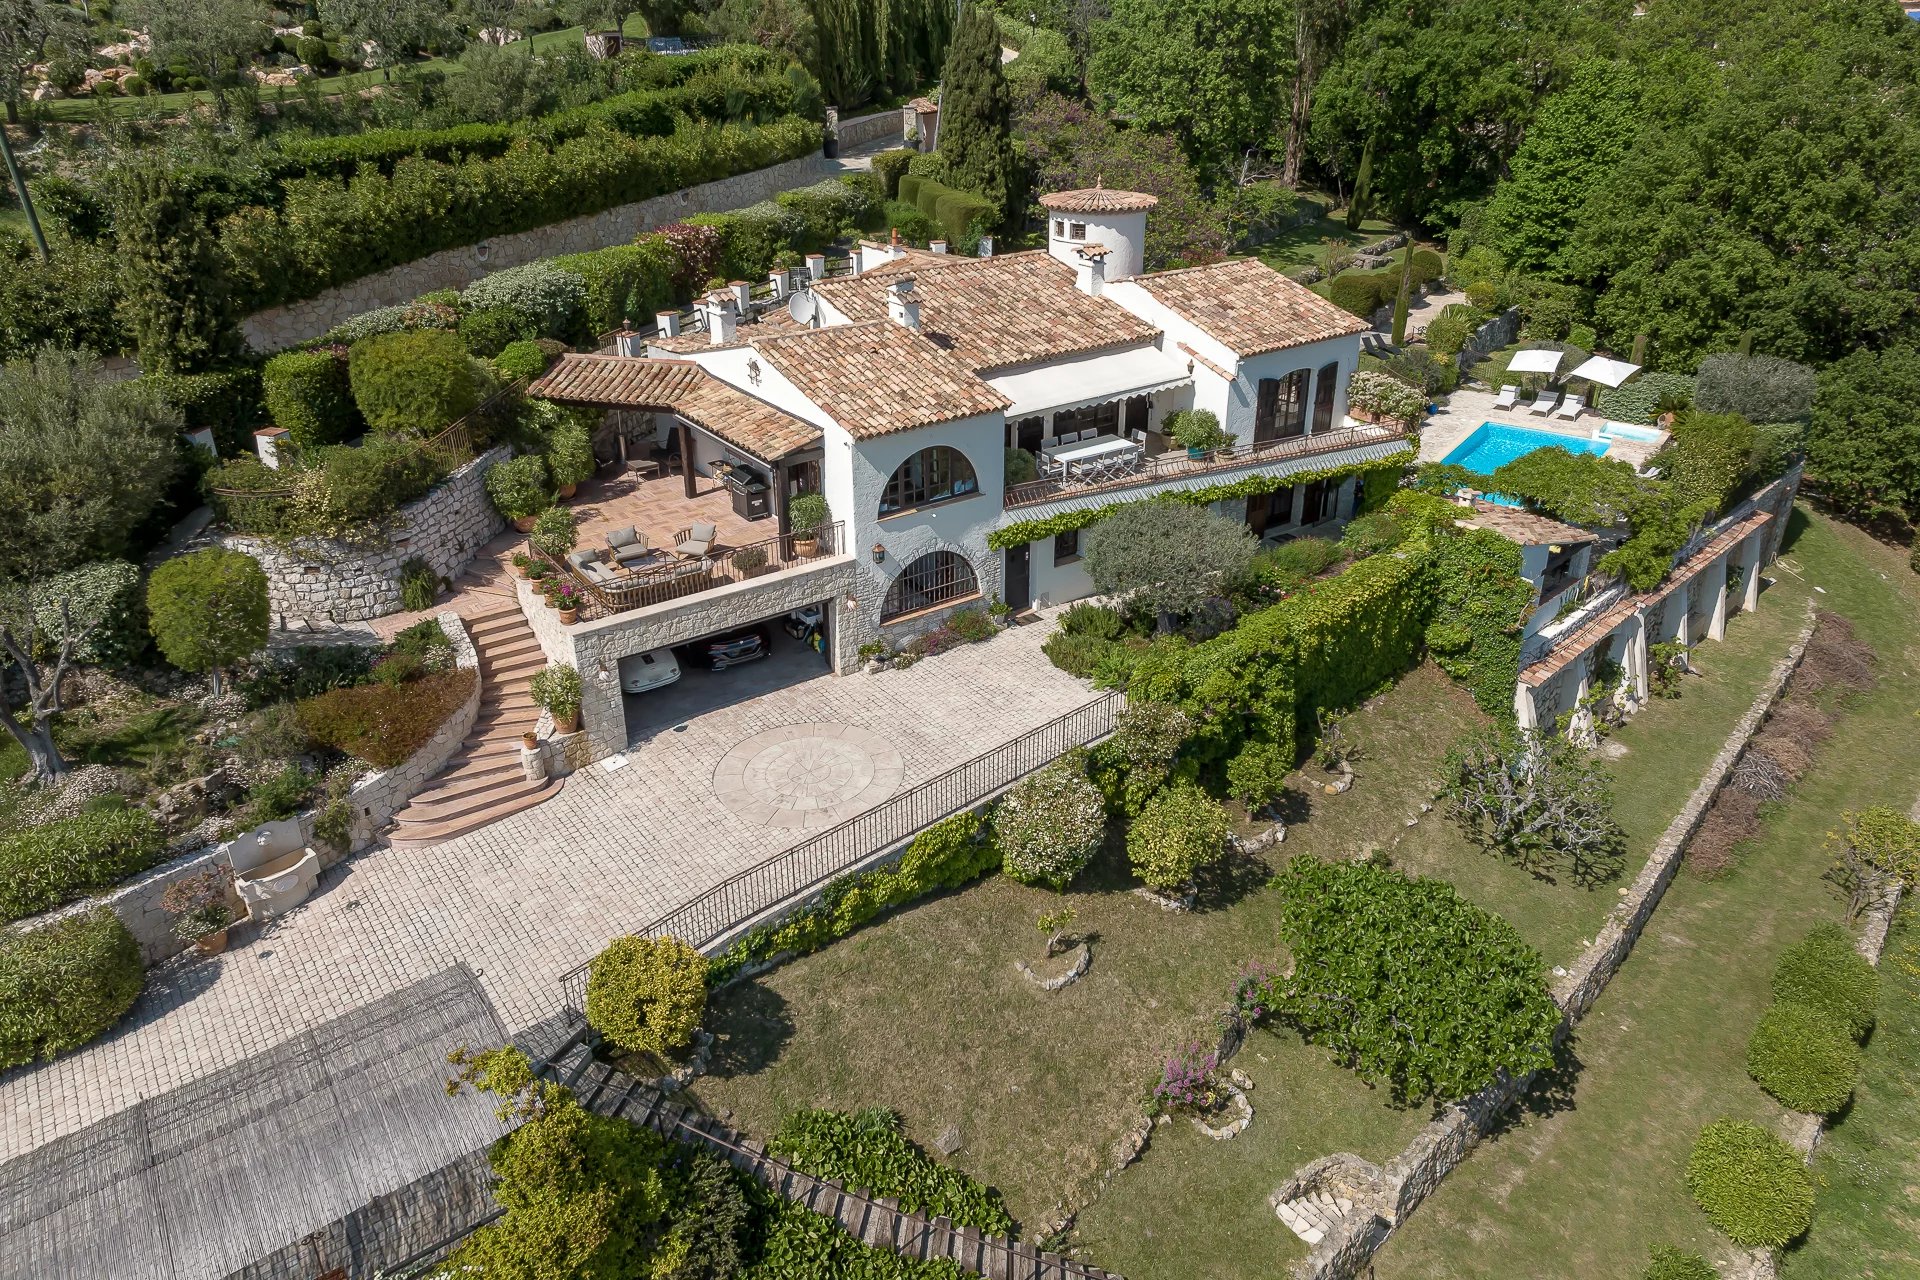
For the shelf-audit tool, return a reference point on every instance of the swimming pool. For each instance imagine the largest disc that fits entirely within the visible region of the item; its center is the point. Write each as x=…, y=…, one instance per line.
x=1492, y=445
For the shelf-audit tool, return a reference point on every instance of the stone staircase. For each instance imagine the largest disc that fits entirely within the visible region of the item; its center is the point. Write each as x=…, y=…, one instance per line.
x=1312, y=1215
x=483, y=782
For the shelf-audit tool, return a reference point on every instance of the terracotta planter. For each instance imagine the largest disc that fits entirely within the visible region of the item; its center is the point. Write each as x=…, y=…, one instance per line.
x=520, y=570
x=569, y=616
x=524, y=524
x=568, y=490
x=569, y=725
x=530, y=740
x=211, y=944
x=806, y=546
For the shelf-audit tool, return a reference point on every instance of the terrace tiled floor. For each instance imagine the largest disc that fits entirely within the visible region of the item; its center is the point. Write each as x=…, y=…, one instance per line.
x=525, y=899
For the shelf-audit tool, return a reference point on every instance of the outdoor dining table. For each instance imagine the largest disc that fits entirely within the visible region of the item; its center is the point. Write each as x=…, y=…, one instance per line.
x=1092, y=455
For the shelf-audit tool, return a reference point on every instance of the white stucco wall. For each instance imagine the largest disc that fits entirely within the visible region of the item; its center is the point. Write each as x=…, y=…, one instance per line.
x=1124, y=235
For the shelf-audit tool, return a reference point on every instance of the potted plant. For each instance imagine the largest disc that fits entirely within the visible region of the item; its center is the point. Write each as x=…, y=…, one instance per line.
x=557, y=689
x=1001, y=612
x=521, y=564
x=202, y=908
x=750, y=561
x=530, y=740
x=1198, y=430
x=554, y=533
x=808, y=514
x=566, y=598
x=518, y=489
x=538, y=571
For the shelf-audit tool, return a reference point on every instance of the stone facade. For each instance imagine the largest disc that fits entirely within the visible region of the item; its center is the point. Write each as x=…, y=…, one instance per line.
x=316, y=580
x=375, y=799
x=865, y=131
x=595, y=648
x=281, y=327
x=1412, y=1175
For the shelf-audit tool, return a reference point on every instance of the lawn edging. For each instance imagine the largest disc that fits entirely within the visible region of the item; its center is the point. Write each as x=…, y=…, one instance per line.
x=1411, y=1176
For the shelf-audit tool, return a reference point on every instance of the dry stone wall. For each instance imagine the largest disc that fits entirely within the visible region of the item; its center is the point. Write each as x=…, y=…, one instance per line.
x=865, y=131
x=320, y=580
x=375, y=799
x=281, y=327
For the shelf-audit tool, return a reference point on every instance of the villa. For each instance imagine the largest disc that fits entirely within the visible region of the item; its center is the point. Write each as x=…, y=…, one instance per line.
x=902, y=389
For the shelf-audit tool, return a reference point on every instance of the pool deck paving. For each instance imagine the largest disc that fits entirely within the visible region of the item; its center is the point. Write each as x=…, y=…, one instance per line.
x=1466, y=409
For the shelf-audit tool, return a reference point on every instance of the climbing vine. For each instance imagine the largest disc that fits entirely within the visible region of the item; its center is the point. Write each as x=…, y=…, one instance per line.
x=1026, y=531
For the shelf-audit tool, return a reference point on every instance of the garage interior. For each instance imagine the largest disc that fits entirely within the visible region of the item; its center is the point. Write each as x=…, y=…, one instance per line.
x=790, y=660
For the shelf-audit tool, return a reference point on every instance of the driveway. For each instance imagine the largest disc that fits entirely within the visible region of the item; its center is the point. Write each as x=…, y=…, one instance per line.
x=523, y=900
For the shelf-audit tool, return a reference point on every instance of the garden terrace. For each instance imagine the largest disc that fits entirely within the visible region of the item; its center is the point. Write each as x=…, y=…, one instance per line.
x=1266, y=457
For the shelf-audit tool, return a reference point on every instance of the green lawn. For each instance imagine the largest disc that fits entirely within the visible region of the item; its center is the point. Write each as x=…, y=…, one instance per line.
x=1866, y=1217
x=1588, y=1189
x=1300, y=246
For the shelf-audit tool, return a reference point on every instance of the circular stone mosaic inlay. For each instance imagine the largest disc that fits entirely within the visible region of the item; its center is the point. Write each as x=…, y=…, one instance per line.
x=807, y=775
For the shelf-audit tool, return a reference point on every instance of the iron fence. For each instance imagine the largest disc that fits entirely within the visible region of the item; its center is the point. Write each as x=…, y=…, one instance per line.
x=801, y=870
x=674, y=578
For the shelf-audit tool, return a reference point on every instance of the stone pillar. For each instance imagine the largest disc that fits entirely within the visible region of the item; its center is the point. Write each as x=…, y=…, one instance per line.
x=1682, y=600
x=1636, y=655
x=1523, y=709
x=1756, y=547
x=1716, y=585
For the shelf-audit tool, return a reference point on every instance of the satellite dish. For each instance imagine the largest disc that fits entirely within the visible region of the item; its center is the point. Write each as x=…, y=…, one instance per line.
x=802, y=308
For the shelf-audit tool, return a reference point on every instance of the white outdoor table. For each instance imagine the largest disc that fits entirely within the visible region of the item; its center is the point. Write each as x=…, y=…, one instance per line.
x=1097, y=450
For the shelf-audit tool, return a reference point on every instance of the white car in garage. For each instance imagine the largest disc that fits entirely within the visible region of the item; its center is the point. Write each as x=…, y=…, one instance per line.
x=655, y=669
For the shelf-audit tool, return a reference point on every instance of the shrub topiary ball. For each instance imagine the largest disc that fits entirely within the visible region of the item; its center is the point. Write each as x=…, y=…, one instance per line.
x=1804, y=1058
x=646, y=995
x=1669, y=1263
x=1823, y=971
x=1751, y=1185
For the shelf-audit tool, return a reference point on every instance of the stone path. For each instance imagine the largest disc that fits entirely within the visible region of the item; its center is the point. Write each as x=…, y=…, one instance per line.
x=523, y=900
x=1313, y=1215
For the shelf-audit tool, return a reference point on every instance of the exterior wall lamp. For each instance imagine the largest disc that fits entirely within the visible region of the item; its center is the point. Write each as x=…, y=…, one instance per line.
x=879, y=552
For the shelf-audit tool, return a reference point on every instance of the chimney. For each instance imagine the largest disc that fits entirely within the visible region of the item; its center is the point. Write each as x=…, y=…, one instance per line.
x=778, y=278
x=266, y=441
x=902, y=305
x=1090, y=269
x=986, y=247
x=938, y=246
x=721, y=317
x=668, y=323
x=628, y=343
x=895, y=249
x=742, y=297
x=817, y=264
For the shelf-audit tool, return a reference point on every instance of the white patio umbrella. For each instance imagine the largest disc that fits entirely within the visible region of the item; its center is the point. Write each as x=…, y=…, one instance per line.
x=1605, y=371
x=1535, y=360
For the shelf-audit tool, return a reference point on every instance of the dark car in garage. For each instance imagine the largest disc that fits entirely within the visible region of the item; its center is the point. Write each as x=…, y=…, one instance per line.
x=728, y=649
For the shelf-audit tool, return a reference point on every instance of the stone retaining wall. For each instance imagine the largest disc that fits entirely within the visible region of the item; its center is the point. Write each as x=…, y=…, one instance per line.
x=1438, y=1148
x=316, y=580
x=1501, y=331
x=864, y=131
x=375, y=799
x=280, y=327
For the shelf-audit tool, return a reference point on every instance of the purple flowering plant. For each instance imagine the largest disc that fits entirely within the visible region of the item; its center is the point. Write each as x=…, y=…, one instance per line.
x=1187, y=1078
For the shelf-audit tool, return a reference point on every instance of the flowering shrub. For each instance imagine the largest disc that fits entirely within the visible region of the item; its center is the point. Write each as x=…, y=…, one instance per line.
x=1385, y=397
x=1177, y=833
x=1050, y=825
x=696, y=253
x=1187, y=1079
x=1253, y=990
x=544, y=297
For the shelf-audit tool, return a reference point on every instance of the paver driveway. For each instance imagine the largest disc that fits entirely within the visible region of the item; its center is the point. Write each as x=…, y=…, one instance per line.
x=533, y=895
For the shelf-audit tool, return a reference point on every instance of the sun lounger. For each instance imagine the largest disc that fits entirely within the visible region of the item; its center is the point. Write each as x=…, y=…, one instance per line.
x=1572, y=408
x=1544, y=403
x=1506, y=398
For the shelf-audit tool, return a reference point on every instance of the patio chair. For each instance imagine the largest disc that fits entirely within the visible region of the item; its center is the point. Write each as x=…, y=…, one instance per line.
x=694, y=543
x=628, y=545
x=1572, y=408
x=1505, y=400
x=1544, y=403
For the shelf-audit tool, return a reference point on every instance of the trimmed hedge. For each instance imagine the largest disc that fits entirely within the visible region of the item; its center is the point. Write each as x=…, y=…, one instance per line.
x=1804, y=1058
x=626, y=283
x=384, y=725
x=58, y=862
x=65, y=985
x=1750, y=1184
x=961, y=215
x=890, y=167
x=1669, y=1263
x=647, y=995
x=866, y=1149
x=1363, y=292
x=1639, y=400
x=419, y=381
x=1822, y=971
x=329, y=231
x=307, y=392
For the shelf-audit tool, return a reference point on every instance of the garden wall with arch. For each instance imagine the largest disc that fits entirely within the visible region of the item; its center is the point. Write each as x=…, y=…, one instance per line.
x=325, y=580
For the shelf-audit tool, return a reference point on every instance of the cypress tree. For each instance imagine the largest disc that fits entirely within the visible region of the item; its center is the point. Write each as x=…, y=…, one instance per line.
x=976, y=114
x=173, y=277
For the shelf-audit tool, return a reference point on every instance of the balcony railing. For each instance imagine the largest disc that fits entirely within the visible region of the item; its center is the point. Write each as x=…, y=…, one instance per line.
x=690, y=576
x=1174, y=466
x=1603, y=593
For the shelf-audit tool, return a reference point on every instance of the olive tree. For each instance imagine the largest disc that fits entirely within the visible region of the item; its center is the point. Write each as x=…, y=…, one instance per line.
x=22, y=640
x=1167, y=556
x=1536, y=799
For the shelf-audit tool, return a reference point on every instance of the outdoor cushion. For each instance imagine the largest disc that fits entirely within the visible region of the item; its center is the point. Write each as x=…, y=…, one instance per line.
x=581, y=559
x=619, y=538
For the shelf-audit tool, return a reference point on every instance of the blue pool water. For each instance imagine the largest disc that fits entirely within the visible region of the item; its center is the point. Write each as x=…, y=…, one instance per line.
x=1491, y=446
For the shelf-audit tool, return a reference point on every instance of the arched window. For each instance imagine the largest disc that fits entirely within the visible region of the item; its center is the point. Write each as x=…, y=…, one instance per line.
x=929, y=476
x=937, y=578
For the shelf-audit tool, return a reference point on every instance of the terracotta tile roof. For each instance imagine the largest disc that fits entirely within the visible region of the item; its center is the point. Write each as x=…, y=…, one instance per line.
x=879, y=377
x=1250, y=307
x=1099, y=199
x=680, y=387
x=1523, y=527
x=1736, y=532
x=774, y=319
x=1575, y=645
x=1225, y=373
x=995, y=313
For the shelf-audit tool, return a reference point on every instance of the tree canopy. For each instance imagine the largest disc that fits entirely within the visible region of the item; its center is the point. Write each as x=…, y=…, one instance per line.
x=1168, y=557
x=976, y=114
